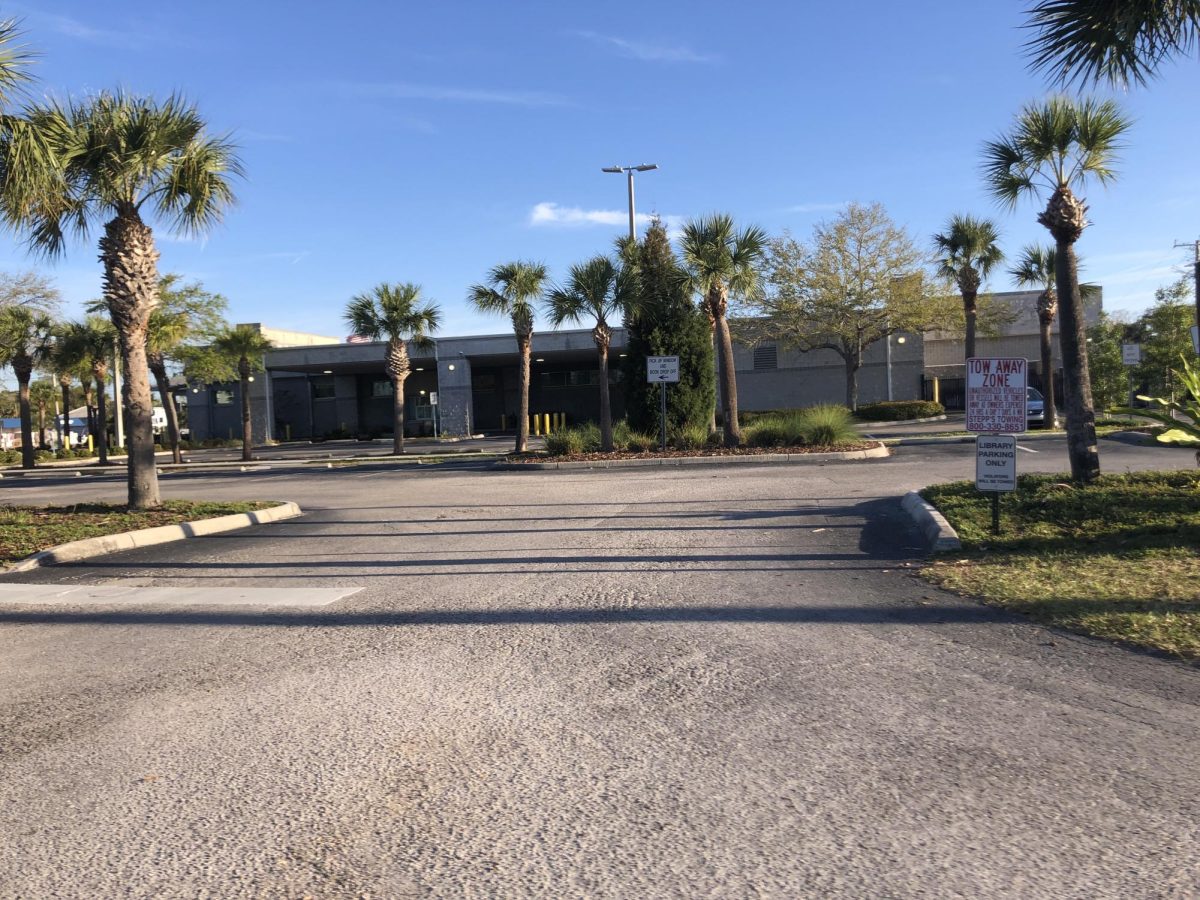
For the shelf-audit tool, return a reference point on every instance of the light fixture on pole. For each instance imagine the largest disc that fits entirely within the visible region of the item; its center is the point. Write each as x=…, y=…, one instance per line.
x=629, y=170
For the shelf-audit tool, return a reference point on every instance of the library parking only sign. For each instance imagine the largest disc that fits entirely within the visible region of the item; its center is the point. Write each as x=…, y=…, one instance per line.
x=996, y=395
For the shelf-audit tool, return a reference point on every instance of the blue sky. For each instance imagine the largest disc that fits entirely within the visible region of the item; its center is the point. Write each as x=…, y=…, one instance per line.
x=428, y=141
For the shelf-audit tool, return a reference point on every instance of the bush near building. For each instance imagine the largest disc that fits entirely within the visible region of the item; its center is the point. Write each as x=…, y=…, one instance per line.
x=900, y=410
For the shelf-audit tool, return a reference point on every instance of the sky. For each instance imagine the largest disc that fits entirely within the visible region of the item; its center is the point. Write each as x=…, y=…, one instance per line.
x=427, y=142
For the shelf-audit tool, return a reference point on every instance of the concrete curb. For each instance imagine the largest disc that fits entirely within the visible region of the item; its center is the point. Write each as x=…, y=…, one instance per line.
x=663, y=461
x=916, y=440
x=147, y=537
x=933, y=524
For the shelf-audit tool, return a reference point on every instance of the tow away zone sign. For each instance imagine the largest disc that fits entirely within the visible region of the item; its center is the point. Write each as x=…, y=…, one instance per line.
x=996, y=394
x=996, y=462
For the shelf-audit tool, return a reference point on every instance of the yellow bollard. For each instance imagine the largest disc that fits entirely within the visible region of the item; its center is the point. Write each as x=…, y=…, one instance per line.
x=936, y=392
x=546, y=425
x=537, y=424
x=90, y=447
x=503, y=422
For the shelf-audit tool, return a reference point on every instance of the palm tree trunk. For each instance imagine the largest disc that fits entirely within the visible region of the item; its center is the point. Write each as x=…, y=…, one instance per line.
x=131, y=291
x=525, y=345
x=41, y=423
x=1082, y=448
x=606, y=426
x=64, y=438
x=27, y=448
x=729, y=408
x=712, y=418
x=397, y=366
x=247, y=422
x=397, y=416
x=102, y=421
x=163, y=381
x=970, y=312
x=1047, y=349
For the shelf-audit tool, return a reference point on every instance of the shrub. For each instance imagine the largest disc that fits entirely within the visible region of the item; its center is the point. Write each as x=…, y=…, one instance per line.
x=577, y=439
x=900, y=410
x=43, y=455
x=827, y=426
x=10, y=457
x=691, y=437
x=640, y=442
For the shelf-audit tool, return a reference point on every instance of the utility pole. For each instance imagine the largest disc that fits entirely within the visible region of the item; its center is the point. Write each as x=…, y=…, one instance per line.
x=1196, y=274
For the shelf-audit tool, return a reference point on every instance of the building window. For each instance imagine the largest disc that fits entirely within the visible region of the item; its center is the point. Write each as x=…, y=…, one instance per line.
x=483, y=381
x=577, y=378
x=766, y=356
x=381, y=388
x=223, y=397
x=322, y=388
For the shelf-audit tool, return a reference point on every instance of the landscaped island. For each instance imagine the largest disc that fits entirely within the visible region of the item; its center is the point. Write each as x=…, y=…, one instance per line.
x=25, y=530
x=1118, y=559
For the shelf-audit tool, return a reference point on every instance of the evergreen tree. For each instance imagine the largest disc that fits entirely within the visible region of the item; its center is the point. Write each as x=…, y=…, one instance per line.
x=663, y=321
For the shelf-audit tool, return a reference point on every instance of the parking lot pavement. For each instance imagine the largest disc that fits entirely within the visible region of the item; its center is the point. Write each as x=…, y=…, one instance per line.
x=670, y=683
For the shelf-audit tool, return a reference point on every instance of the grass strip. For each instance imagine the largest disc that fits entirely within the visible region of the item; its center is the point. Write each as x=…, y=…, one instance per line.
x=25, y=530
x=1118, y=559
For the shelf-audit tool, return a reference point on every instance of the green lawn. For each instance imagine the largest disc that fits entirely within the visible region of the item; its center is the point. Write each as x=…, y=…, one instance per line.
x=1118, y=560
x=25, y=530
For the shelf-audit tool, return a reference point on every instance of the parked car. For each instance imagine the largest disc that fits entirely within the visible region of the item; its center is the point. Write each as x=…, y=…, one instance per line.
x=1035, y=408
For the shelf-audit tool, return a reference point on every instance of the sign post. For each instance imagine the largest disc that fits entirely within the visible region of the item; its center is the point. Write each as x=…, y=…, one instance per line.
x=997, y=390
x=662, y=370
x=433, y=402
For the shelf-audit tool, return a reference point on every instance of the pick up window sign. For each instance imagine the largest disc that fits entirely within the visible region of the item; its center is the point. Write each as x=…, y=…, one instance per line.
x=996, y=395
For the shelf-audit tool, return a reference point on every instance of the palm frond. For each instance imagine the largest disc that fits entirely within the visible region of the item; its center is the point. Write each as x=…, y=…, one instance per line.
x=1115, y=41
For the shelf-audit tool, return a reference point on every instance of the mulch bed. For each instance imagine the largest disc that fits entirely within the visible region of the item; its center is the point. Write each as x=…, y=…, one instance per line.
x=672, y=453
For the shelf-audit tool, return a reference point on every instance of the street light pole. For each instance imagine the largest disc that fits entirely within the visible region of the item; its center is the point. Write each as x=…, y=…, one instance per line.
x=629, y=170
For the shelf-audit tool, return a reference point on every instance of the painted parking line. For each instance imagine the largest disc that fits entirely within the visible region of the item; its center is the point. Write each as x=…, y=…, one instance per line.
x=1027, y=449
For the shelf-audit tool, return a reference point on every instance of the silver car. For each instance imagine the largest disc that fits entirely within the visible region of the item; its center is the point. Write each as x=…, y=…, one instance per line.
x=1035, y=409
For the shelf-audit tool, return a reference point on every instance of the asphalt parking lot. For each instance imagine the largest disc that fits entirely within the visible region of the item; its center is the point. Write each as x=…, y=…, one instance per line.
x=713, y=682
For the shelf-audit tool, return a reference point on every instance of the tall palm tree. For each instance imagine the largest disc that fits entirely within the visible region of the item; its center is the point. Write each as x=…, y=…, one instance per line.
x=165, y=331
x=721, y=261
x=1117, y=41
x=394, y=313
x=511, y=290
x=108, y=159
x=967, y=253
x=244, y=346
x=41, y=395
x=1035, y=269
x=25, y=340
x=1052, y=150
x=600, y=290
x=88, y=345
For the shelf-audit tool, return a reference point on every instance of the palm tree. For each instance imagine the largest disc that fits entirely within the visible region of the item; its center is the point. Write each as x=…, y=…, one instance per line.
x=1035, y=269
x=41, y=395
x=165, y=331
x=600, y=290
x=968, y=251
x=245, y=345
x=1117, y=41
x=87, y=345
x=1053, y=149
x=25, y=336
x=721, y=261
x=511, y=290
x=108, y=159
x=393, y=313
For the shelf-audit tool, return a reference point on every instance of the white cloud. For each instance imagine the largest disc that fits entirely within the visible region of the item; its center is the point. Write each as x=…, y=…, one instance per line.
x=553, y=214
x=446, y=94
x=647, y=51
